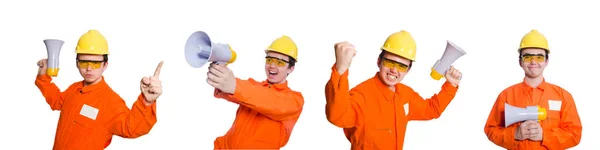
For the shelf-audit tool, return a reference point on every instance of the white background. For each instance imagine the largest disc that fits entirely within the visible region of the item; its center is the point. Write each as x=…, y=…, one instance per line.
x=142, y=33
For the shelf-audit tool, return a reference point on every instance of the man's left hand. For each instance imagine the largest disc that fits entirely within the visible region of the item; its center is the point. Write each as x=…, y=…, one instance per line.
x=221, y=77
x=536, y=132
x=453, y=76
x=152, y=87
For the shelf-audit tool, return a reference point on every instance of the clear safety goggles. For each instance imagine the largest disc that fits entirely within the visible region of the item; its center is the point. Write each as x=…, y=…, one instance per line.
x=276, y=61
x=400, y=67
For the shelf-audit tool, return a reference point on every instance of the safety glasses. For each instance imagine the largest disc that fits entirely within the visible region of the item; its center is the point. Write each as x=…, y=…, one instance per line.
x=276, y=61
x=533, y=57
x=400, y=67
x=95, y=64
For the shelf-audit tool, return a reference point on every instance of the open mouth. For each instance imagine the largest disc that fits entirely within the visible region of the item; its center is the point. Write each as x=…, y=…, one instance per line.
x=391, y=76
x=272, y=73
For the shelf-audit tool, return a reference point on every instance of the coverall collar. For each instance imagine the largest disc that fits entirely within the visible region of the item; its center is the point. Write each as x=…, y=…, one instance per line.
x=279, y=86
x=387, y=93
x=92, y=87
x=542, y=85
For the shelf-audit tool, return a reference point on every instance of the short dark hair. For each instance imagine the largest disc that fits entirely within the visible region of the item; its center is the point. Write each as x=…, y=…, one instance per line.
x=383, y=53
x=292, y=62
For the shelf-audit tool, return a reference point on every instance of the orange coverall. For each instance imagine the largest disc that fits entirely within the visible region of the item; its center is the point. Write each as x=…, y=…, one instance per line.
x=373, y=116
x=265, y=118
x=561, y=129
x=76, y=131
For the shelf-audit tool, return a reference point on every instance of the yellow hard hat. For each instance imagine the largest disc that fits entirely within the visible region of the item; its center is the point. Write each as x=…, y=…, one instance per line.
x=284, y=45
x=402, y=44
x=534, y=39
x=92, y=42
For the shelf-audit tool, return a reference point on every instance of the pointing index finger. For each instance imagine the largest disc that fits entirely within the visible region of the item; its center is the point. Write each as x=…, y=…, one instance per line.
x=157, y=72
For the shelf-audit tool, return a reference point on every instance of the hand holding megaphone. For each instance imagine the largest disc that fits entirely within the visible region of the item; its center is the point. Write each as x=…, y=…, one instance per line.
x=221, y=77
x=453, y=76
x=344, y=53
x=42, y=64
x=151, y=86
x=529, y=129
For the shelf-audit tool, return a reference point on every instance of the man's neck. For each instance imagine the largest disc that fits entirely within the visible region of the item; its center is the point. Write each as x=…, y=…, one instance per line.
x=534, y=82
x=277, y=83
x=393, y=88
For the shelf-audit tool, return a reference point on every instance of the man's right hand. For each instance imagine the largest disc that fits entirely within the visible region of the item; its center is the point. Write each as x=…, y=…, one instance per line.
x=43, y=67
x=524, y=130
x=344, y=52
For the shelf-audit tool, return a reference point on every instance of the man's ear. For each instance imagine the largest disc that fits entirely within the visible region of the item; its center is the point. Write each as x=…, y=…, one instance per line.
x=290, y=70
x=520, y=63
x=105, y=66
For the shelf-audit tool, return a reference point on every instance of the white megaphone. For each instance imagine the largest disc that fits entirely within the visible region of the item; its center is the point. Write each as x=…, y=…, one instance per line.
x=199, y=50
x=442, y=65
x=514, y=114
x=53, y=47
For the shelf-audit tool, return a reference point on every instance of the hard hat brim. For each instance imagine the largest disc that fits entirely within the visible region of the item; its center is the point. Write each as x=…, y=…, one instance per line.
x=384, y=49
x=277, y=51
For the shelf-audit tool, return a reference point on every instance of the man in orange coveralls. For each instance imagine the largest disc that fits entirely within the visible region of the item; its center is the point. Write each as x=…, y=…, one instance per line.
x=268, y=110
x=90, y=111
x=374, y=114
x=561, y=129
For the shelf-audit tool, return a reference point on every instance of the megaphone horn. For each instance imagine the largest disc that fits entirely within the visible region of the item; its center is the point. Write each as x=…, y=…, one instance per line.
x=514, y=114
x=451, y=54
x=199, y=50
x=53, y=47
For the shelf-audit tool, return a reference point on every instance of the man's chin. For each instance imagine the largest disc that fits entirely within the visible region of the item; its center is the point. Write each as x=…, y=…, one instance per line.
x=533, y=75
x=89, y=80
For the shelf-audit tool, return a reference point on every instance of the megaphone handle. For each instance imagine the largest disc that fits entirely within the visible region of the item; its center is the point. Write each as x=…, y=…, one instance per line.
x=218, y=63
x=436, y=66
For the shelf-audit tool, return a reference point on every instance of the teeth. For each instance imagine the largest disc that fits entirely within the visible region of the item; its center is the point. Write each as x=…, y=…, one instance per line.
x=392, y=77
x=271, y=71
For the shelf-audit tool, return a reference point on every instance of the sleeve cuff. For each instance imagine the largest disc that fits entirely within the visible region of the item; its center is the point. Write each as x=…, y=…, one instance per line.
x=239, y=86
x=44, y=77
x=237, y=94
x=337, y=79
x=145, y=109
x=547, y=137
x=448, y=87
x=511, y=136
x=336, y=73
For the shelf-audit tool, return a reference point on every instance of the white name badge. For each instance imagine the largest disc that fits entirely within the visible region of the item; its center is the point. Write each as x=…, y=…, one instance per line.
x=406, y=109
x=554, y=105
x=89, y=111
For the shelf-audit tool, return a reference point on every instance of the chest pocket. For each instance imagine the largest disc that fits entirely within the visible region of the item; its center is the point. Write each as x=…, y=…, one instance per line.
x=380, y=131
x=87, y=130
x=553, y=113
x=267, y=134
x=81, y=132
